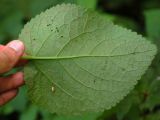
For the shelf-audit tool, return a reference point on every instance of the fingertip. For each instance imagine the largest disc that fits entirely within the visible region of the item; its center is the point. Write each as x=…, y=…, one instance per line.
x=7, y=96
x=13, y=92
x=17, y=45
x=11, y=82
x=2, y=47
x=10, y=55
x=19, y=78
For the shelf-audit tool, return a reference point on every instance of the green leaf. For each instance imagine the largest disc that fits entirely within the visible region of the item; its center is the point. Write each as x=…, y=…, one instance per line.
x=87, y=3
x=36, y=6
x=30, y=113
x=153, y=32
x=126, y=22
x=80, y=62
x=153, y=95
x=152, y=23
x=133, y=114
x=13, y=21
x=20, y=102
x=124, y=106
x=90, y=116
x=153, y=116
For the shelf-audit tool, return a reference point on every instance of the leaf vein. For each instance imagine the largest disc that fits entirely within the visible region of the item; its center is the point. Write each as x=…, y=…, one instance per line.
x=78, y=80
x=56, y=84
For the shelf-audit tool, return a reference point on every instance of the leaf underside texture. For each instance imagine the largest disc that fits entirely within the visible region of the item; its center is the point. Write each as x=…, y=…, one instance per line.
x=80, y=62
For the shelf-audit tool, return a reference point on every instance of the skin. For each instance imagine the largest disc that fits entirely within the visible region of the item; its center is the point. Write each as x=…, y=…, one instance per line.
x=10, y=55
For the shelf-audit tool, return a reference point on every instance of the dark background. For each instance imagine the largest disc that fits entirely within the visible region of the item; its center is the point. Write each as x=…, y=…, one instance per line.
x=142, y=16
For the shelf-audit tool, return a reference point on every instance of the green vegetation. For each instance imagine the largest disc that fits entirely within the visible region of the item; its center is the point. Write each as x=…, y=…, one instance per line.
x=142, y=103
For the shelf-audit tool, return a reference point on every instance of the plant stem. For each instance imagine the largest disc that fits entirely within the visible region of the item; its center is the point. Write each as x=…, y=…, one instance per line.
x=27, y=57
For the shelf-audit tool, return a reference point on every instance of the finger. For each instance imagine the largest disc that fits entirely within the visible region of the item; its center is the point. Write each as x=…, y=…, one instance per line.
x=1, y=47
x=10, y=54
x=21, y=62
x=7, y=96
x=11, y=82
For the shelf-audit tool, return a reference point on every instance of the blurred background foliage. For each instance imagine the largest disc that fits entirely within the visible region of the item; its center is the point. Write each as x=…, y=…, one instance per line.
x=142, y=16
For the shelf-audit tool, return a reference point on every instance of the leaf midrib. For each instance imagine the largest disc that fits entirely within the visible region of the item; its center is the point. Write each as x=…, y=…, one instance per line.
x=81, y=56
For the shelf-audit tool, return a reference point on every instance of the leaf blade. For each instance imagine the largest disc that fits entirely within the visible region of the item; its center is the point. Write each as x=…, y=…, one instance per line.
x=91, y=63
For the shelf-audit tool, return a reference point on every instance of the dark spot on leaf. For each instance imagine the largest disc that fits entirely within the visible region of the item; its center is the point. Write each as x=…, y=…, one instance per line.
x=133, y=53
x=57, y=29
x=123, y=69
x=94, y=81
x=34, y=38
x=48, y=25
x=62, y=36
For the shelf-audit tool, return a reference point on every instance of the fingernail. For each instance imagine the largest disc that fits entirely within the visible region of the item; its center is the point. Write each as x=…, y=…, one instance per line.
x=17, y=45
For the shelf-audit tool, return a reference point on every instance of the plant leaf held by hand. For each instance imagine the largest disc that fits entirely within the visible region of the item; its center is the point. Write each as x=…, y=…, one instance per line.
x=79, y=62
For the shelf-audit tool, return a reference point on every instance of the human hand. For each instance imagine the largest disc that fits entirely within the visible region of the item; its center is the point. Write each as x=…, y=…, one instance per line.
x=9, y=57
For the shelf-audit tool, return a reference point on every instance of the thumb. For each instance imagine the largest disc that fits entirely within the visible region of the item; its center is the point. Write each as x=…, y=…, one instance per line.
x=10, y=54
